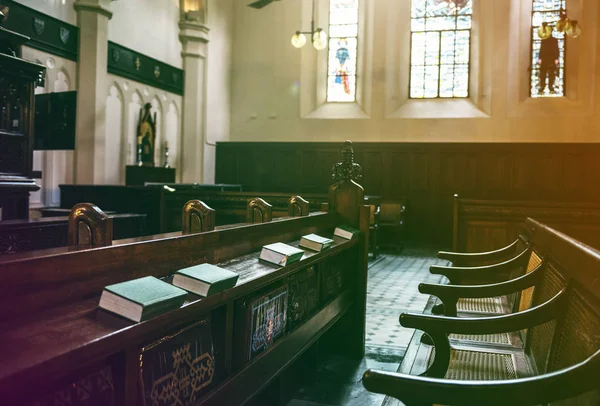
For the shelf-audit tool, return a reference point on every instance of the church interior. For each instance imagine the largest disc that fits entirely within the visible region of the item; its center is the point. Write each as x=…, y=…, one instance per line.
x=299, y=202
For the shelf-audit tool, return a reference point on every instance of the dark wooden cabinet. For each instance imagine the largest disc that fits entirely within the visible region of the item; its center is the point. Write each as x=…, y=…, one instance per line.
x=139, y=175
x=18, y=79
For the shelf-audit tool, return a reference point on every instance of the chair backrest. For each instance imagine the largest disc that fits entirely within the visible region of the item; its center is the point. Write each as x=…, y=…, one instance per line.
x=197, y=217
x=297, y=206
x=392, y=211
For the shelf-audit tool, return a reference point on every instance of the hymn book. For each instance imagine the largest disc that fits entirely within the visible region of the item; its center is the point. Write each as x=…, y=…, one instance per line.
x=205, y=279
x=141, y=299
x=345, y=232
x=315, y=242
x=280, y=254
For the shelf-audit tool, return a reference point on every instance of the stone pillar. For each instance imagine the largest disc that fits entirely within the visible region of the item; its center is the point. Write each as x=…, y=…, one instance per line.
x=92, y=19
x=194, y=38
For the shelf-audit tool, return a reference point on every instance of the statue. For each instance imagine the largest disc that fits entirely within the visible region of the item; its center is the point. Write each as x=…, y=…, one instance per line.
x=146, y=137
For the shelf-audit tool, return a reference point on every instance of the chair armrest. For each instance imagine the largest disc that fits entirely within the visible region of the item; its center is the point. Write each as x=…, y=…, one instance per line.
x=482, y=274
x=550, y=387
x=464, y=259
x=449, y=294
x=486, y=325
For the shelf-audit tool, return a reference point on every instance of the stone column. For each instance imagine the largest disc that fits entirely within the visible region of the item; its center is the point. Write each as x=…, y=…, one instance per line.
x=92, y=19
x=194, y=38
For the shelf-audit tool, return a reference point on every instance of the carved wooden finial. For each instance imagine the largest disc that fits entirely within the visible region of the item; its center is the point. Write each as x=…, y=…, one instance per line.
x=89, y=226
x=258, y=206
x=347, y=169
x=297, y=206
x=197, y=210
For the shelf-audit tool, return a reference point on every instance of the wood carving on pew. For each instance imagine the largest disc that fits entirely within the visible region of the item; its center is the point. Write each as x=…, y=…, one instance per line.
x=89, y=226
x=552, y=330
x=259, y=211
x=297, y=206
x=58, y=341
x=197, y=217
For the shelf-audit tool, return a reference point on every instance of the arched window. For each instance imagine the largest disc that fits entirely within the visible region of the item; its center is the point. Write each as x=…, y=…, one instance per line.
x=440, y=48
x=343, y=41
x=548, y=54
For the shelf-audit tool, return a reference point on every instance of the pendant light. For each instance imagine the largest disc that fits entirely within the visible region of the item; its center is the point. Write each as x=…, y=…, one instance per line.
x=318, y=36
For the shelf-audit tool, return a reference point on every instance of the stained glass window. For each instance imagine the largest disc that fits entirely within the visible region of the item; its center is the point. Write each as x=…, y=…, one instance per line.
x=547, y=55
x=343, y=41
x=440, y=48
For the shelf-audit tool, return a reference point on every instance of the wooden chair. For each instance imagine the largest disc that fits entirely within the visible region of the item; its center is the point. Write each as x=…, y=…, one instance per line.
x=297, y=206
x=560, y=328
x=391, y=224
x=374, y=203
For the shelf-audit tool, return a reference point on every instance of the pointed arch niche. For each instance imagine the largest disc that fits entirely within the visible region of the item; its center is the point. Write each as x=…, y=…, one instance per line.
x=134, y=108
x=113, y=169
x=172, y=134
x=159, y=141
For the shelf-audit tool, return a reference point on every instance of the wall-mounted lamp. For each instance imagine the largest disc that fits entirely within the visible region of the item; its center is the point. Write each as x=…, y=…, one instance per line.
x=318, y=36
x=571, y=28
x=193, y=10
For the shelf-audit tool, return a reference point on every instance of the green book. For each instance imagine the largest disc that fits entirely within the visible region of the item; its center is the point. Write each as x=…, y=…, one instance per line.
x=345, y=232
x=315, y=242
x=205, y=279
x=280, y=254
x=141, y=299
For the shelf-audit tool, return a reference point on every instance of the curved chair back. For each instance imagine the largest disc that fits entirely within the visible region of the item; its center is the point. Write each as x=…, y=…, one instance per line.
x=258, y=211
x=297, y=207
x=89, y=226
x=197, y=217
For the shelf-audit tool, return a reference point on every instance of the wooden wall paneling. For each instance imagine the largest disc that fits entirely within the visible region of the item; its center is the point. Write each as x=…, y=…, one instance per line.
x=226, y=165
x=428, y=174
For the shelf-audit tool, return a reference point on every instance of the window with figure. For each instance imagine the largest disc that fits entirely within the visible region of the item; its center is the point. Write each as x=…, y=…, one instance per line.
x=440, y=48
x=343, y=42
x=547, y=49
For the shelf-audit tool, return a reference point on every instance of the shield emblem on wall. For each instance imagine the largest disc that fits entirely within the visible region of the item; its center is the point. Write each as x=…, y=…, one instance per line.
x=156, y=72
x=64, y=35
x=38, y=25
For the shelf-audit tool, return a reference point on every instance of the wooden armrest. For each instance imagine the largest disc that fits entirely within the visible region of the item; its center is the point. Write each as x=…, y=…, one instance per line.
x=486, y=325
x=484, y=274
x=449, y=294
x=550, y=387
x=459, y=258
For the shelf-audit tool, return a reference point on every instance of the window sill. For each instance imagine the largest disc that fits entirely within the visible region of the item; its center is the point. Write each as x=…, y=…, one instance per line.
x=338, y=111
x=551, y=107
x=438, y=108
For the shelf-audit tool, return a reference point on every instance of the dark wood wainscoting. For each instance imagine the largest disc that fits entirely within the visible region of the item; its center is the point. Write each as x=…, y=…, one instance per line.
x=428, y=174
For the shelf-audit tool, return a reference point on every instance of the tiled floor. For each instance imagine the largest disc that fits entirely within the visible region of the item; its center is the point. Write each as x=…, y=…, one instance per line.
x=392, y=289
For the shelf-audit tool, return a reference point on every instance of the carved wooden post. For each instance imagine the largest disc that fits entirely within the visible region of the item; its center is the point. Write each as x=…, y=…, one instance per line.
x=346, y=198
x=297, y=204
x=196, y=209
x=89, y=219
x=258, y=206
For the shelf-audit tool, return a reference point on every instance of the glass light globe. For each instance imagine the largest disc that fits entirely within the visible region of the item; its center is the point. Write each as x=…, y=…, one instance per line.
x=320, y=39
x=545, y=31
x=574, y=30
x=563, y=24
x=298, y=40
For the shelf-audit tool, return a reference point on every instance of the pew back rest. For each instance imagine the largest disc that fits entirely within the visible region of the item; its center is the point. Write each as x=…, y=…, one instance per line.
x=574, y=334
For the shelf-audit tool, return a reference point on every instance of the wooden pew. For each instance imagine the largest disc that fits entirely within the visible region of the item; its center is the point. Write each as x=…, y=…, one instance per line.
x=56, y=342
x=486, y=225
x=555, y=339
x=162, y=203
x=49, y=232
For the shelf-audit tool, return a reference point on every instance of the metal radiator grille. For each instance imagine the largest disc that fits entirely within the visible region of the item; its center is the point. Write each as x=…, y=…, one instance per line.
x=480, y=305
x=503, y=338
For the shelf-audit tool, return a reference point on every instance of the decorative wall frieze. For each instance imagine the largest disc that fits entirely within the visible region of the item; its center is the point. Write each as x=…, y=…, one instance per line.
x=46, y=33
x=133, y=65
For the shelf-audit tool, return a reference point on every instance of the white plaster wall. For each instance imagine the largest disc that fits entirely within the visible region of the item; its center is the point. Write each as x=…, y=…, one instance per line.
x=122, y=120
x=150, y=27
x=218, y=88
x=57, y=166
x=269, y=80
x=61, y=9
